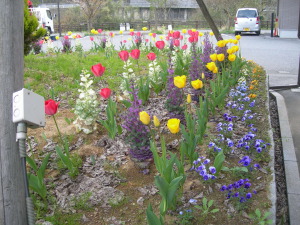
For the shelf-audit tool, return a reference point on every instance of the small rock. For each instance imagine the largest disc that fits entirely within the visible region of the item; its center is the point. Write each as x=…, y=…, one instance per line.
x=199, y=196
x=84, y=219
x=244, y=214
x=140, y=201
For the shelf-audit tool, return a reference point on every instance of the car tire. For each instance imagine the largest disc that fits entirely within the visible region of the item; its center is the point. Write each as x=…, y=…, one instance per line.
x=257, y=32
x=236, y=33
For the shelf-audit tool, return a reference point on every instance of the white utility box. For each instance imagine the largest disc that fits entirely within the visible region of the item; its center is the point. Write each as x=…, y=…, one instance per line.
x=29, y=107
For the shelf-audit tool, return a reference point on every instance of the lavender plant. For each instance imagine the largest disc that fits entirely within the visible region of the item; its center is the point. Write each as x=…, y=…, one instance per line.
x=138, y=134
x=66, y=43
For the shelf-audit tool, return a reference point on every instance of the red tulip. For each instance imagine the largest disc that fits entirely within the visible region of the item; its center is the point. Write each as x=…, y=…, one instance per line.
x=160, y=44
x=193, y=39
x=99, y=31
x=184, y=47
x=181, y=37
x=92, y=38
x=154, y=35
x=138, y=34
x=135, y=53
x=78, y=36
x=98, y=70
x=190, y=32
x=151, y=56
x=147, y=40
x=167, y=38
x=124, y=55
x=131, y=33
x=66, y=37
x=105, y=93
x=124, y=41
x=176, y=34
x=176, y=42
x=51, y=107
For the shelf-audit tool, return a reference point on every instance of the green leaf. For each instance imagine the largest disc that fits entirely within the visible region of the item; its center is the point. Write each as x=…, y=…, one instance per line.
x=210, y=203
x=152, y=218
x=218, y=163
x=44, y=165
x=214, y=210
x=32, y=163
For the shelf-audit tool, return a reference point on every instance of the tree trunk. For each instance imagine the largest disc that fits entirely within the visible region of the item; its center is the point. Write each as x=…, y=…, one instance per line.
x=209, y=19
x=12, y=192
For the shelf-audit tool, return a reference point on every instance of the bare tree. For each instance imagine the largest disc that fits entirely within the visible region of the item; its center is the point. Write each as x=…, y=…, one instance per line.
x=90, y=9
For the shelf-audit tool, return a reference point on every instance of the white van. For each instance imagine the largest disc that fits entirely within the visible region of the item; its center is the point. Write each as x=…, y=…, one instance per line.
x=247, y=20
x=44, y=17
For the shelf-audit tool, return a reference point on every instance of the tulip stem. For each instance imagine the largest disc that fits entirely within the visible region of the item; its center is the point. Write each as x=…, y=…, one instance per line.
x=61, y=139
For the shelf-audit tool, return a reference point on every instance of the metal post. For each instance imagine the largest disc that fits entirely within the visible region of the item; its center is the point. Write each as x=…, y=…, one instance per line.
x=12, y=190
x=58, y=15
x=272, y=23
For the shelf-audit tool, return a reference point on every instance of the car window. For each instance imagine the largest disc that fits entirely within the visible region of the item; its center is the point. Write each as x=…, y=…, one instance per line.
x=247, y=13
x=49, y=14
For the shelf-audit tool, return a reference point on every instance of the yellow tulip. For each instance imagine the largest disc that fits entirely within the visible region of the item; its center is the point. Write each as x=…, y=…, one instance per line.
x=131, y=30
x=69, y=33
x=197, y=84
x=184, y=31
x=156, y=121
x=144, y=117
x=188, y=98
x=221, y=43
x=252, y=96
x=211, y=33
x=215, y=70
x=235, y=48
x=150, y=34
x=121, y=32
x=229, y=51
x=73, y=36
x=235, y=41
x=161, y=37
x=213, y=57
x=237, y=37
x=57, y=37
x=96, y=32
x=129, y=39
x=171, y=31
x=93, y=31
x=200, y=34
x=46, y=38
x=180, y=81
x=231, y=57
x=221, y=57
x=211, y=66
x=144, y=28
x=194, y=30
x=173, y=125
x=202, y=76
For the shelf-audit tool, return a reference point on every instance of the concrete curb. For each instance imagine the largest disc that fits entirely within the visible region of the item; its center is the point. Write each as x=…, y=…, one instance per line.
x=290, y=160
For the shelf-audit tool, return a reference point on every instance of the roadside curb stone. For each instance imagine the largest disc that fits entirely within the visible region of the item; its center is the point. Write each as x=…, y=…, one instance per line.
x=290, y=160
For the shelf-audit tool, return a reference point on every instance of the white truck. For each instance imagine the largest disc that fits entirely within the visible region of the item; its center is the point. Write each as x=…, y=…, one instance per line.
x=44, y=17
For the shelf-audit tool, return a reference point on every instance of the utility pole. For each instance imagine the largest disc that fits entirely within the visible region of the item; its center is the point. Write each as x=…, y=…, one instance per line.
x=58, y=15
x=209, y=20
x=12, y=192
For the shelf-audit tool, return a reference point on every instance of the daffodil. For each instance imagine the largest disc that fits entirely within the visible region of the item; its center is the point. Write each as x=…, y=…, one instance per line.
x=144, y=117
x=180, y=81
x=197, y=84
x=173, y=125
x=156, y=121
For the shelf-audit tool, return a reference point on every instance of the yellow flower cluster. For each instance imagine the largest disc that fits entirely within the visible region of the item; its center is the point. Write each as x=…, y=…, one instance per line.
x=145, y=119
x=93, y=31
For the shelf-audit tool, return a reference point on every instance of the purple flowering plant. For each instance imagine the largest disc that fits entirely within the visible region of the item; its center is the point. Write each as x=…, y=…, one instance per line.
x=138, y=134
x=201, y=166
x=239, y=192
x=66, y=43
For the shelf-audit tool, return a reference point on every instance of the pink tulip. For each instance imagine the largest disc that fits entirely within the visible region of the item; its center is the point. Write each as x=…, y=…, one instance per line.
x=167, y=38
x=131, y=33
x=181, y=37
x=147, y=40
x=184, y=47
x=176, y=34
x=124, y=55
x=135, y=53
x=92, y=38
x=66, y=37
x=105, y=93
x=51, y=107
x=98, y=70
x=138, y=34
x=176, y=42
x=100, y=31
x=154, y=35
x=160, y=44
x=151, y=56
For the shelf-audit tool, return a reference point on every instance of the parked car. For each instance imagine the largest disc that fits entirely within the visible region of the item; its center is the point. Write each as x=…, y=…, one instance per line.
x=247, y=20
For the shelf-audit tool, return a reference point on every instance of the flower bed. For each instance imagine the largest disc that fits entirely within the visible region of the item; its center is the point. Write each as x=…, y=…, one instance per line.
x=182, y=140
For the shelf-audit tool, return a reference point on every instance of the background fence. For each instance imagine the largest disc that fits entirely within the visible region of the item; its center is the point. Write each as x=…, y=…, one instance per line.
x=150, y=25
